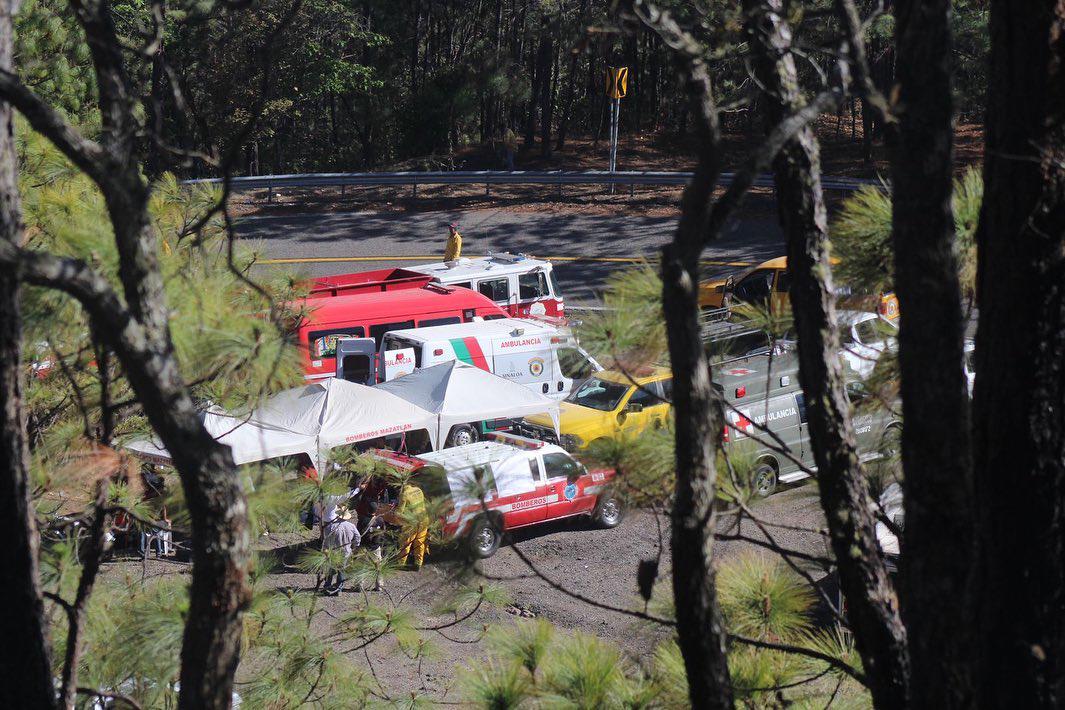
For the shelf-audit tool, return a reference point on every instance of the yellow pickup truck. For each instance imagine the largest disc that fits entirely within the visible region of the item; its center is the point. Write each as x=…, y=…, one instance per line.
x=607, y=405
x=768, y=284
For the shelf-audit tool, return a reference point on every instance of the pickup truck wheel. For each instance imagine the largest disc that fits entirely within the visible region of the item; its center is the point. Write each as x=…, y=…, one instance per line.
x=462, y=435
x=484, y=538
x=609, y=511
x=764, y=479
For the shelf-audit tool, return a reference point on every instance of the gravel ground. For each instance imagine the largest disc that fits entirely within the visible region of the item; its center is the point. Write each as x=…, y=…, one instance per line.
x=599, y=565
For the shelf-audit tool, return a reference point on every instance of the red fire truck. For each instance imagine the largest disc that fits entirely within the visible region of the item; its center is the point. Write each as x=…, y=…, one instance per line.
x=508, y=482
x=370, y=304
x=521, y=285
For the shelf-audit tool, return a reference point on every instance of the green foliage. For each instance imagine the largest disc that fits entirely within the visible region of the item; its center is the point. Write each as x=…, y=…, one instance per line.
x=630, y=330
x=374, y=621
x=644, y=463
x=669, y=676
x=762, y=598
x=776, y=323
x=861, y=240
x=968, y=196
x=532, y=665
x=468, y=597
x=229, y=338
x=133, y=639
x=289, y=664
x=271, y=505
x=585, y=672
x=861, y=236
x=526, y=643
x=497, y=685
x=52, y=57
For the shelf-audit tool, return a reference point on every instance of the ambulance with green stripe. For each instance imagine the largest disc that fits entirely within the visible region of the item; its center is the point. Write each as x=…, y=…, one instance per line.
x=544, y=357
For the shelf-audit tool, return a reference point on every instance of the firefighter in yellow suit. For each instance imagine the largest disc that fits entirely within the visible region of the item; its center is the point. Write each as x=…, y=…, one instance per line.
x=454, y=243
x=415, y=519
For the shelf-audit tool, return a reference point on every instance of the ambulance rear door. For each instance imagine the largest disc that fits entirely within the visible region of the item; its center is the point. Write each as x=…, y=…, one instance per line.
x=526, y=359
x=398, y=357
x=572, y=366
x=356, y=360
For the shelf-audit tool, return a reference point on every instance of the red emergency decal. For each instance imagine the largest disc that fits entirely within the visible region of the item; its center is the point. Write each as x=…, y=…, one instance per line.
x=477, y=358
x=739, y=372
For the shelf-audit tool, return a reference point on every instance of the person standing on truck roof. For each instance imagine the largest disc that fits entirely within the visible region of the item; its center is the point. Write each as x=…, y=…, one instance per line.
x=453, y=250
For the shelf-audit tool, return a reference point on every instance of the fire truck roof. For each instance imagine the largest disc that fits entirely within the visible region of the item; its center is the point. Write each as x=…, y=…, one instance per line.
x=474, y=267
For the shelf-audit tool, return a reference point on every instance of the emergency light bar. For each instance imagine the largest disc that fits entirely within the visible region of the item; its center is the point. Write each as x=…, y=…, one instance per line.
x=507, y=256
x=521, y=442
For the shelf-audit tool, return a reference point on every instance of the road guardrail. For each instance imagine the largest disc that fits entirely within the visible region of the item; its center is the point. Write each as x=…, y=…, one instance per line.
x=488, y=178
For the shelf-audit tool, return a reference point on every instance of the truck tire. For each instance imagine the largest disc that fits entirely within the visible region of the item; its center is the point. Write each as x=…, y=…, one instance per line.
x=609, y=510
x=484, y=538
x=764, y=479
x=461, y=435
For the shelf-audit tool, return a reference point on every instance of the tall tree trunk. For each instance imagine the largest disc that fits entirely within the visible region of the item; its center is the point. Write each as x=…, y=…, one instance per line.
x=415, y=43
x=25, y=655
x=155, y=164
x=878, y=630
x=95, y=548
x=1019, y=430
x=939, y=553
x=701, y=630
x=571, y=82
x=537, y=76
x=547, y=95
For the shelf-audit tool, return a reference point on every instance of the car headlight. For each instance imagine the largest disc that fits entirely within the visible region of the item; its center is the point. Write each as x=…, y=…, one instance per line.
x=572, y=442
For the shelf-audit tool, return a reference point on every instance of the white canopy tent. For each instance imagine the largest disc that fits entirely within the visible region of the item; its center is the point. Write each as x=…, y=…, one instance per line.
x=459, y=394
x=311, y=420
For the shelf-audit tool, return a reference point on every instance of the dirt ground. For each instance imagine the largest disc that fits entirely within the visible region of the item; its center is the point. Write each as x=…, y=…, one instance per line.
x=571, y=560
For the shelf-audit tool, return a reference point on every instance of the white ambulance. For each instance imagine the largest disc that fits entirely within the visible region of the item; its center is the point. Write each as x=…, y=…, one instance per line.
x=543, y=357
x=519, y=284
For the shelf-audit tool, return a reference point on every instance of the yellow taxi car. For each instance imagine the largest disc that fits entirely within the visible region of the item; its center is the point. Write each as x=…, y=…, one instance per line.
x=608, y=405
x=767, y=285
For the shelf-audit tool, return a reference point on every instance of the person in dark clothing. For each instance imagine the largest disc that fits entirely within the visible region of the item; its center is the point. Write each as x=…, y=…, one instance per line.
x=374, y=532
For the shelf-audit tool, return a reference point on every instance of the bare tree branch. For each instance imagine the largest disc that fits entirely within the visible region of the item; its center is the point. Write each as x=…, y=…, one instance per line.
x=93, y=693
x=802, y=651
x=96, y=548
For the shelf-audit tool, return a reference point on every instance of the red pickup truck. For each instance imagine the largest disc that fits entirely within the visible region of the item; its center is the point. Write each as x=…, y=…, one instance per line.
x=509, y=482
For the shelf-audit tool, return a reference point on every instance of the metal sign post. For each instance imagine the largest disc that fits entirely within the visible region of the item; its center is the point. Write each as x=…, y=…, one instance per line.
x=617, y=85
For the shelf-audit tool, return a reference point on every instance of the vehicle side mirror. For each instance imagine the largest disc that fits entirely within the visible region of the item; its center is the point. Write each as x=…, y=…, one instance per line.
x=633, y=408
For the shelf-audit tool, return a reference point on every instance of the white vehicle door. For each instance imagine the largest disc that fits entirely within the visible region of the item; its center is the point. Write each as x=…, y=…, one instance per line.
x=572, y=366
x=864, y=344
x=526, y=360
x=397, y=363
x=356, y=360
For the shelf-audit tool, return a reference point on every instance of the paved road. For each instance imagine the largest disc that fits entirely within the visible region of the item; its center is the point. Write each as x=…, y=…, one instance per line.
x=331, y=243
